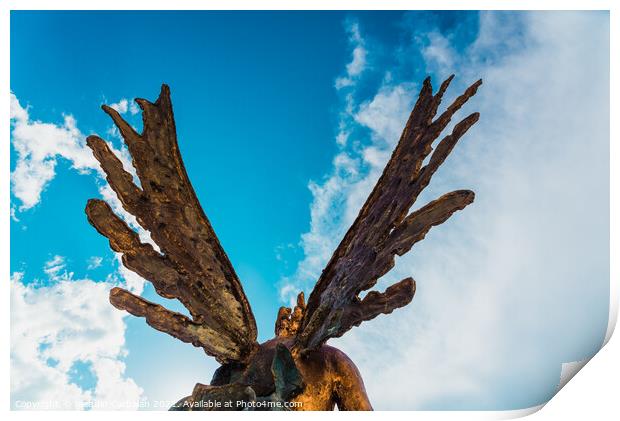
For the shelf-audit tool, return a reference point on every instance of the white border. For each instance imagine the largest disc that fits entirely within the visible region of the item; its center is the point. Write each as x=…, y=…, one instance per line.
x=593, y=396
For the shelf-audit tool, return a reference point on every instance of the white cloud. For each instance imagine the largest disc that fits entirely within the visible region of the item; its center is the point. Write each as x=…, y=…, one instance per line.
x=517, y=283
x=133, y=108
x=38, y=145
x=94, y=262
x=358, y=60
x=438, y=52
x=358, y=63
x=14, y=214
x=120, y=106
x=56, y=326
x=56, y=269
x=385, y=113
x=124, y=105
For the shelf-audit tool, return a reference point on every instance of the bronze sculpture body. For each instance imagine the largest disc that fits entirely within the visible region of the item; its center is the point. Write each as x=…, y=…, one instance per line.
x=317, y=380
x=296, y=369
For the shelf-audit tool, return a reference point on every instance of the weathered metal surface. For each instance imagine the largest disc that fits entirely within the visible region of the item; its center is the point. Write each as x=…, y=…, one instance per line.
x=289, y=321
x=384, y=226
x=192, y=265
x=318, y=380
x=296, y=366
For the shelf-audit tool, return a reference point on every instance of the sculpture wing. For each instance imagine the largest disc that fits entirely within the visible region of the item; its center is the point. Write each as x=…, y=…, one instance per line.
x=384, y=226
x=190, y=264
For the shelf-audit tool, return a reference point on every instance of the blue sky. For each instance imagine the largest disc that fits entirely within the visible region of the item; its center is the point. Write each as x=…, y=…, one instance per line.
x=253, y=112
x=284, y=122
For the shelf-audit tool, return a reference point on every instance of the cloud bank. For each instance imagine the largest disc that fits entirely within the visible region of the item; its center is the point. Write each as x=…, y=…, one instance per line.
x=64, y=328
x=518, y=282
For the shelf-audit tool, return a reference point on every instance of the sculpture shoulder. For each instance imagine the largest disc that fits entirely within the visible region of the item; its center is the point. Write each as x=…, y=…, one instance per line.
x=334, y=363
x=350, y=393
x=338, y=360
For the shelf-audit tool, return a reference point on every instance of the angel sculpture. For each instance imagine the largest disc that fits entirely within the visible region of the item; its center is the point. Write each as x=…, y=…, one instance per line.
x=295, y=369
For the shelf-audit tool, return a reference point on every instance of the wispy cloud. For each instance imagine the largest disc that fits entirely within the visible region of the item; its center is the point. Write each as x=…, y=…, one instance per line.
x=94, y=262
x=518, y=283
x=56, y=269
x=437, y=52
x=125, y=105
x=358, y=60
